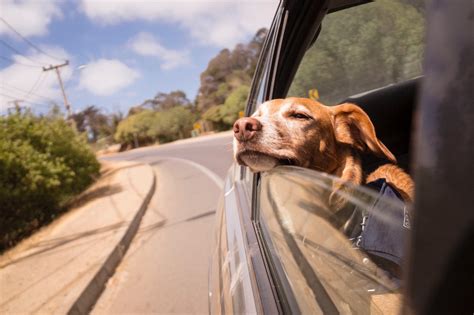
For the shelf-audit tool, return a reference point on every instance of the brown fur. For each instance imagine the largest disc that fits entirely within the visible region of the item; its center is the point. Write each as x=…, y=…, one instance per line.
x=397, y=178
x=309, y=134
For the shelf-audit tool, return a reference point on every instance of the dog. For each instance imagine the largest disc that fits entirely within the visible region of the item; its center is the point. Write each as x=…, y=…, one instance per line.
x=306, y=133
x=330, y=139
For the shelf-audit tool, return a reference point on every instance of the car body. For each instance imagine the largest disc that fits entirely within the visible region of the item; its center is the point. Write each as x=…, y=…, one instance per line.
x=278, y=250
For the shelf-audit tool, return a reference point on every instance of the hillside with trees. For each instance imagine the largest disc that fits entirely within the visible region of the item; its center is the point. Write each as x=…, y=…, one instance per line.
x=229, y=70
x=358, y=49
x=170, y=116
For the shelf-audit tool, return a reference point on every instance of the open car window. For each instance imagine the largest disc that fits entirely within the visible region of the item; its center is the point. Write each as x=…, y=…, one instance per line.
x=326, y=259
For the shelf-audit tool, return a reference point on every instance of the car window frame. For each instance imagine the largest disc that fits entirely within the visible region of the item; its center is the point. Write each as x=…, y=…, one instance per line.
x=267, y=295
x=284, y=59
x=417, y=285
x=267, y=272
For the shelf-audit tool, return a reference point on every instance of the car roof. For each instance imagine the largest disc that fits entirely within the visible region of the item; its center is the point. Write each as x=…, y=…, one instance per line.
x=336, y=5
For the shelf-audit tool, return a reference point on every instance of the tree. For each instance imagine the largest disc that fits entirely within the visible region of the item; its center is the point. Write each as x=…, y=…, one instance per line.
x=95, y=123
x=223, y=116
x=360, y=49
x=229, y=70
x=214, y=115
x=136, y=128
x=149, y=126
x=234, y=104
x=163, y=101
x=173, y=124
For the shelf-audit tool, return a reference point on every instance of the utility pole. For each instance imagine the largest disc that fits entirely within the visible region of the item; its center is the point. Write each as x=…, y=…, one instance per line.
x=66, y=102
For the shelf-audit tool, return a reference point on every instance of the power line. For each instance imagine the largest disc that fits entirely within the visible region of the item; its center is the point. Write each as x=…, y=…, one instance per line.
x=28, y=41
x=35, y=84
x=18, y=63
x=40, y=85
x=13, y=95
x=10, y=88
x=16, y=51
x=32, y=103
x=13, y=89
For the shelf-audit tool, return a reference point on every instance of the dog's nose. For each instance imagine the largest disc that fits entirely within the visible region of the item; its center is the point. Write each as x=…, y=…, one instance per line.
x=246, y=128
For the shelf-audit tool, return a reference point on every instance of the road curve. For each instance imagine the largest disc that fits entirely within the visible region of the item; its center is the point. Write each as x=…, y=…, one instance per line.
x=165, y=269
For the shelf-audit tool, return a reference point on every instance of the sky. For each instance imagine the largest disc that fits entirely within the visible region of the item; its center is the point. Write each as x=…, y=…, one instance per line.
x=120, y=52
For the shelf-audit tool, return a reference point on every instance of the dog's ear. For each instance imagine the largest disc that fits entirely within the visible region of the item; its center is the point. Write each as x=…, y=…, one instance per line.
x=352, y=126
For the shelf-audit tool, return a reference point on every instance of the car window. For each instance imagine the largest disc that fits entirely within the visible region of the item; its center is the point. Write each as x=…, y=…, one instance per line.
x=363, y=48
x=343, y=259
x=334, y=258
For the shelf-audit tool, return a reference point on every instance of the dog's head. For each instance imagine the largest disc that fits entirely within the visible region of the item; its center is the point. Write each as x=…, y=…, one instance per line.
x=303, y=132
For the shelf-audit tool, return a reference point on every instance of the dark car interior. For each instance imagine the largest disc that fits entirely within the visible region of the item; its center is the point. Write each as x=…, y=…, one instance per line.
x=391, y=110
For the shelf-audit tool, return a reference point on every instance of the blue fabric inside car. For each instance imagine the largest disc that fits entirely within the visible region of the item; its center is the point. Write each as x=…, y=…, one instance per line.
x=381, y=230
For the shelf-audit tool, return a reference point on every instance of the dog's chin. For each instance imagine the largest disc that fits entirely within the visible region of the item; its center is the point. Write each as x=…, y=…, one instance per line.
x=260, y=162
x=256, y=161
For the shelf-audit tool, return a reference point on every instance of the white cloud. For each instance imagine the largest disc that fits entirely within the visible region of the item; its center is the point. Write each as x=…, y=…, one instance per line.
x=222, y=24
x=29, y=17
x=106, y=76
x=37, y=88
x=146, y=44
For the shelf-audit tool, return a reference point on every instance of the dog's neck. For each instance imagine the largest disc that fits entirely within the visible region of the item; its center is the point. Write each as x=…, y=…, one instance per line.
x=326, y=159
x=349, y=168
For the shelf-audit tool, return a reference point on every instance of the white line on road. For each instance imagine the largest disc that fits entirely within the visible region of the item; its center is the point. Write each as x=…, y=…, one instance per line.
x=216, y=178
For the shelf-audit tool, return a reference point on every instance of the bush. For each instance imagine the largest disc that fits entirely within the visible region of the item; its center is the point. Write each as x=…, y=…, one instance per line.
x=234, y=104
x=173, y=124
x=150, y=126
x=214, y=115
x=223, y=116
x=137, y=127
x=43, y=163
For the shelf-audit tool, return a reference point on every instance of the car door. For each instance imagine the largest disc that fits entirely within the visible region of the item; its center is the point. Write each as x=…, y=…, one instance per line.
x=238, y=282
x=314, y=261
x=291, y=268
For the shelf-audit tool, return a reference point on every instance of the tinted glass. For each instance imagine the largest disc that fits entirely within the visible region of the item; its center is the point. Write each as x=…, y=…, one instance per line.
x=363, y=48
x=343, y=257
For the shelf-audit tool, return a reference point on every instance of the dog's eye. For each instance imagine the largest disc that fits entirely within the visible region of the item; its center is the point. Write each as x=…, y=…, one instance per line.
x=299, y=116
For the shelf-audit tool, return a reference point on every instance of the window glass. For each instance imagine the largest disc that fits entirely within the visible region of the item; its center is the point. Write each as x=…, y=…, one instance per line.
x=363, y=48
x=338, y=257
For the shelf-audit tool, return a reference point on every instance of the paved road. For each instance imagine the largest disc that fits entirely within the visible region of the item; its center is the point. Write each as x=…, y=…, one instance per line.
x=213, y=152
x=165, y=268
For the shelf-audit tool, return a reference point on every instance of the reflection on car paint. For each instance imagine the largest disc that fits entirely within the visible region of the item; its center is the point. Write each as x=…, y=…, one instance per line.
x=230, y=258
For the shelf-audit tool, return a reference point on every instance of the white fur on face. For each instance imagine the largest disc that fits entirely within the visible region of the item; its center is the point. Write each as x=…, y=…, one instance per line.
x=269, y=148
x=259, y=162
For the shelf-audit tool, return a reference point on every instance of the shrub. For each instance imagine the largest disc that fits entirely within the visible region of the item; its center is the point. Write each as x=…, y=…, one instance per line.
x=150, y=126
x=234, y=104
x=223, y=116
x=43, y=163
x=135, y=126
x=214, y=115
